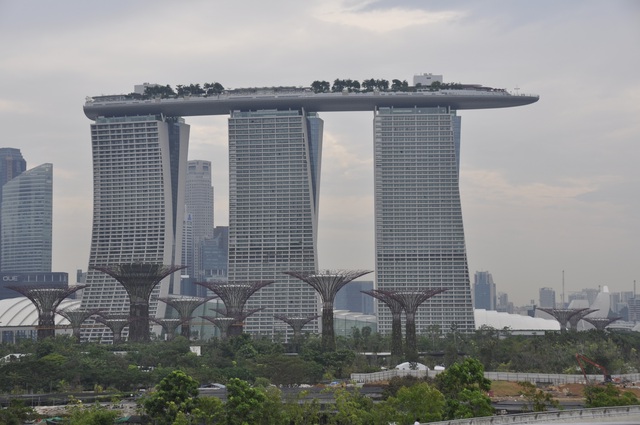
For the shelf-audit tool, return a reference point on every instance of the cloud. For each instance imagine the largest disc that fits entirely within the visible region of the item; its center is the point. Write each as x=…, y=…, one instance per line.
x=14, y=106
x=381, y=20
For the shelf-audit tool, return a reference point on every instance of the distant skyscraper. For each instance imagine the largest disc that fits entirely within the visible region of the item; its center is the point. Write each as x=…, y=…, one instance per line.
x=26, y=225
x=484, y=291
x=419, y=232
x=274, y=167
x=199, y=209
x=547, y=298
x=351, y=298
x=12, y=164
x=215, y=254
x=139, y=165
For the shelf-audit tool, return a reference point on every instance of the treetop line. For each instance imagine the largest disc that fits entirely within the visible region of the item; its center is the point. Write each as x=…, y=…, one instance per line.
x=339, y=85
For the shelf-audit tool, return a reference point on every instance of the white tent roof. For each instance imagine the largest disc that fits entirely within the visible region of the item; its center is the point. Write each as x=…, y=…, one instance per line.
x=499, y=320
x=21, y=312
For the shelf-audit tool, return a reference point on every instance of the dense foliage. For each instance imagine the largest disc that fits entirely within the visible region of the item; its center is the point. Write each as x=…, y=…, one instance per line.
x=61, y=364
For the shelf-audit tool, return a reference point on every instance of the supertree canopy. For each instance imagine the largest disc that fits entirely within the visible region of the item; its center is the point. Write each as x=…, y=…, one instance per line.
x=46, y=299
x=234, y=295
x=562, y=315
x=236, y=327
x=573, y=320
x=396, y=320
x=296, y=323
x=76, y=318
x=170, y=325
x=410, y=301
x=222, y=323
x=327, y=283
x=185, y=306
x=138, y=280
x=116, y=322
x=600, y=323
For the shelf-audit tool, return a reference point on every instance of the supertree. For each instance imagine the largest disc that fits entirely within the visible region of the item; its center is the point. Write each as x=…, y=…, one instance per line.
x=234, y=295
x=76, y=318
x=236, y=327
x=138, y=280
x=573, y=320
x=327, y=283
x=170, y=325
x=396, y=320
x=410, y=301
x=600, y=323
x=116, y=322
x=222, y=323
x=296, y=323
x=46, y=299
x=562, y=315
x=185, y=306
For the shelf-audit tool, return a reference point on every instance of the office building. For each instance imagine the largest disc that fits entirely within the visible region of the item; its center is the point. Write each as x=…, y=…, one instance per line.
x=215, y=254
x=351, y=298
x=418, y=216
x=274, y=172
x=484, y=291
x=199, y=216
x=12, y=164
x=26, y=226
x=548, y=298
x=139, y=165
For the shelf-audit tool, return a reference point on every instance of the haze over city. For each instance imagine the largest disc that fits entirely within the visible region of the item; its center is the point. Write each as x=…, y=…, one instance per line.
x=545, y=188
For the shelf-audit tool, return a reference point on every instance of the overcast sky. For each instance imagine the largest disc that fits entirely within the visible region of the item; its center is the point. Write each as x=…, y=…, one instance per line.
x=547, y=187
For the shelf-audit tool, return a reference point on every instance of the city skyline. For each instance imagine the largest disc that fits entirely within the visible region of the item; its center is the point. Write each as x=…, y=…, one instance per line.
x=544, y=188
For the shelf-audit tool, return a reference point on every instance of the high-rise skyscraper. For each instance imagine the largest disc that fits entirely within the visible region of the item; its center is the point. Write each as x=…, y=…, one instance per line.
x=274, y=177
x=26, y=226
x=547, y=298
x=199, y=206
x=12, y=164
x=139, y=165
x=419, y=233
x=484, y=291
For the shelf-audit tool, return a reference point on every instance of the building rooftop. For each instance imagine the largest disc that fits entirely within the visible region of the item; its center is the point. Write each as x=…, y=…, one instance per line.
x=283, y=98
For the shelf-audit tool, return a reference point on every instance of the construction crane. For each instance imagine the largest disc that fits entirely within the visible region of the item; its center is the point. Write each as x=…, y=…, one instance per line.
x=605, y=373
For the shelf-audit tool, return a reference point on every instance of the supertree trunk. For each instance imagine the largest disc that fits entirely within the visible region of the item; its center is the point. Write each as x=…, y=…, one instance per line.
x=411, y=351
x=328, y=331
x=396, y=336
x=139, y=326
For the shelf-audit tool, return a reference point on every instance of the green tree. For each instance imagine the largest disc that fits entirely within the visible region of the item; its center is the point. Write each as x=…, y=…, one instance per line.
x=208, y=411
x=468, y=375
x=244, y=404
x=421, y=402
x=351, y=408
x=607, y=395
x=93, y=415
x=321, y=86
x=536, y=400
x=175, y=393
x=470, y=404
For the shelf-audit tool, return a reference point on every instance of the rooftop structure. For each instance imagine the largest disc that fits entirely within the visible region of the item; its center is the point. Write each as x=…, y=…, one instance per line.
x=274, y=98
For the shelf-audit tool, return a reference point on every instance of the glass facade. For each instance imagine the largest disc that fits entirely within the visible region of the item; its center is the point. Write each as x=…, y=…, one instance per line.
x=26, y=228
x=418, y=217
x=274, y=166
